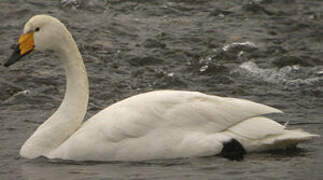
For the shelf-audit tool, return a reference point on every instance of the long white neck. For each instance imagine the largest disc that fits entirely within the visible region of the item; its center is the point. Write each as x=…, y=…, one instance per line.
x=69, y=116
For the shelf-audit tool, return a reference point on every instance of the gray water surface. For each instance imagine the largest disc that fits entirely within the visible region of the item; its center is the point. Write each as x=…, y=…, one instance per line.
x=267, y=51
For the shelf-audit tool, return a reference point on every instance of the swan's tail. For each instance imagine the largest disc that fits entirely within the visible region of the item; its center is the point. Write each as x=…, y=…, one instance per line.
x=290, y=138
x=263, y=134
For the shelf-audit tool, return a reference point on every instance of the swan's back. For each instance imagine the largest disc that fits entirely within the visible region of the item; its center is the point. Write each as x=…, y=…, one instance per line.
x=171, y=124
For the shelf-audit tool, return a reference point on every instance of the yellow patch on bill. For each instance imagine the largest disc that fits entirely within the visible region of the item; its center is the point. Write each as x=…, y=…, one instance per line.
x=26, y=43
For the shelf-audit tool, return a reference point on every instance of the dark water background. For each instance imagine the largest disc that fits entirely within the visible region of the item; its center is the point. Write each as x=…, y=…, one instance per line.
x=135, y=46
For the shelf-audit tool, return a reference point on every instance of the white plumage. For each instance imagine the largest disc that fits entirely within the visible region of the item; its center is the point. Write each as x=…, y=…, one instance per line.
x=153, y=125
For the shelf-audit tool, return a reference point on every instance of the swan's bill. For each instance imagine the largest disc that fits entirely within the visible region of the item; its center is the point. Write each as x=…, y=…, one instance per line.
x=25, y=46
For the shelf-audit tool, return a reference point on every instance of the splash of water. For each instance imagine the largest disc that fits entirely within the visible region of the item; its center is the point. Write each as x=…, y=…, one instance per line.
x=275, y=76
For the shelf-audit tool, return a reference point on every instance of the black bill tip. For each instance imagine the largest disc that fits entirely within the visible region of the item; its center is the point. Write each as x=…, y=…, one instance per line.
x=16, y=56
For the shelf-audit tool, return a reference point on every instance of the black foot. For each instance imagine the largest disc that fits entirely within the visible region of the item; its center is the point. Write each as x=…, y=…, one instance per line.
x=233, y=150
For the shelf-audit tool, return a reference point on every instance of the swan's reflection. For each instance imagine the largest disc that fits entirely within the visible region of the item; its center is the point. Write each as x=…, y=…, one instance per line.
x=190, y=168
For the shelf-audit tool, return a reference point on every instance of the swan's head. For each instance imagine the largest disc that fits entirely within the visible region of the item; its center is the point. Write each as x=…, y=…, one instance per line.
x=41, y=32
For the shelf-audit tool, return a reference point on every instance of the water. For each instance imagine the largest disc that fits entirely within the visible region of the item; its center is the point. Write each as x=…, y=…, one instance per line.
x=267, y=51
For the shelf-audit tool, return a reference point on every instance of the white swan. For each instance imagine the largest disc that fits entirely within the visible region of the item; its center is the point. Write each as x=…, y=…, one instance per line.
x=154, y=125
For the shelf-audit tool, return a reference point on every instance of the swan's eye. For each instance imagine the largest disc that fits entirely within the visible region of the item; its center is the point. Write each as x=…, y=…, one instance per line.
x=37, y=29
